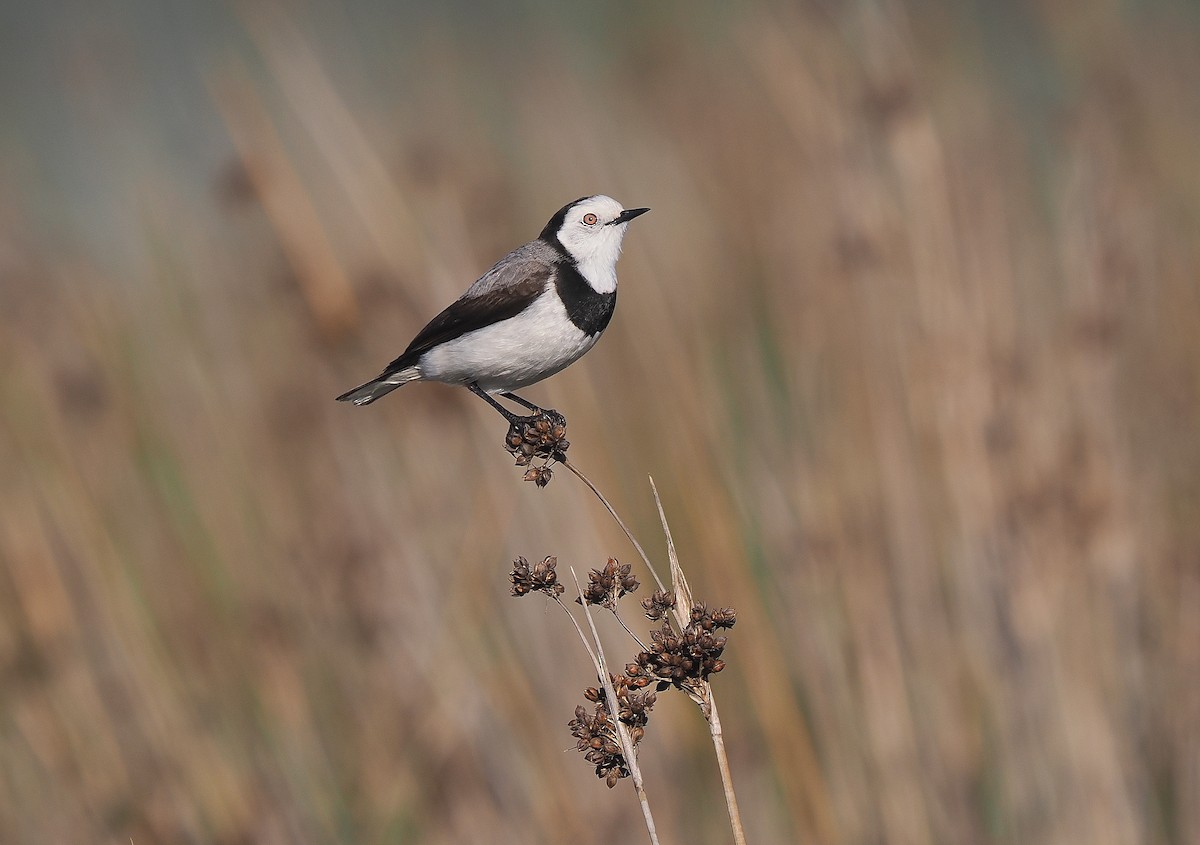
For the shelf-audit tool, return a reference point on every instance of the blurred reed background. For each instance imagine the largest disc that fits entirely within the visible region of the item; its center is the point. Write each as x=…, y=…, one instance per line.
x=910, y=343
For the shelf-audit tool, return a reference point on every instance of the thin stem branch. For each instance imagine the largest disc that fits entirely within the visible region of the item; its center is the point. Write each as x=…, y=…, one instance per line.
x=610, y=697
x=586, y=644
x=613, y=513
x=641, y=644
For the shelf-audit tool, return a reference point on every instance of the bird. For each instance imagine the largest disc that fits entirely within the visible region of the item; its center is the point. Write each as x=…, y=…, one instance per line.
x=534, y=313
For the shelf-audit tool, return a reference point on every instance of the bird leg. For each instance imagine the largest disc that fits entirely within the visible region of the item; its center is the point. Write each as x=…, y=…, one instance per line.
x=515, y=398
x=512, y=418
x=540, y=435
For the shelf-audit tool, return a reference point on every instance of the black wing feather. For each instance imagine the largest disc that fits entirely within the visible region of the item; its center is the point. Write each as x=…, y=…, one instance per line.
x=474, y=312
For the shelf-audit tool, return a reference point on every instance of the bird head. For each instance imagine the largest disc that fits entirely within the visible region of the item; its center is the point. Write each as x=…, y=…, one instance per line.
x=590, y=231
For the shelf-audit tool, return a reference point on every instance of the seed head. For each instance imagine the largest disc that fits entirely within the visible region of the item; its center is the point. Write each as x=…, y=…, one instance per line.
x=596, y=735
x=681, y=659
x=540, y=577
x=539, y=475
x=724, y=617
x=541, y=435
x=658, y=604
x=607, y=585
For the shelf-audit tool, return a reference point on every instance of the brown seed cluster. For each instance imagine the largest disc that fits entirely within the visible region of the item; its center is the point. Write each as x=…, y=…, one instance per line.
x=596, y=735
x=541, y=435
x=680, y=659
x=539, y=475
x=683, y=660
x=540, y=577
x=658, y=604
x=722, y=617
x=633, y=706
x=607, y=585
x=597, y=739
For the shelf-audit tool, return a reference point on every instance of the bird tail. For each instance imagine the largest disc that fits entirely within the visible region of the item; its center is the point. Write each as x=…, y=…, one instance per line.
x=367, y=393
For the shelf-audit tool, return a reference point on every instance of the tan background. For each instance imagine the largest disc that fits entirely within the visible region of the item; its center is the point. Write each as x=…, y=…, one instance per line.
x=910, y=343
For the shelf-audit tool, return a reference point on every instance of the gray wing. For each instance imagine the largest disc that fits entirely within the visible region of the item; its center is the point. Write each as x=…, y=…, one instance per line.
x=502, y=292
x=511, y=270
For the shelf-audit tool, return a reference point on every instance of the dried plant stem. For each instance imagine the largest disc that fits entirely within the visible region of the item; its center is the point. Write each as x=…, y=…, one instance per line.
x=709, y=706
x=613, y=513
x=636, y=639
x=678, y=582
x=610, y=696
x=681, y=612
x=582, y=636
x=718, y=739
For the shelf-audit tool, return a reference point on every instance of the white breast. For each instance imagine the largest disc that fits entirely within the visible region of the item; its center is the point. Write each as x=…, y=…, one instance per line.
x=513, y=353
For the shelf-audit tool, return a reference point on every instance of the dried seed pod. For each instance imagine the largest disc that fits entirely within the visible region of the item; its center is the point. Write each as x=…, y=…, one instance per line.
x=539, y=475
x=541, y=435
x=541, y=577
x=687, y=657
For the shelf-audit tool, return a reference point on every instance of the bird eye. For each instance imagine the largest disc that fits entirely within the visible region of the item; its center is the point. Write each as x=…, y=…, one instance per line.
x=590, y=219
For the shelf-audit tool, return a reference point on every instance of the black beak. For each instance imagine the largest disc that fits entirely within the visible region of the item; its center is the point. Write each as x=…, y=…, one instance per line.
x=627, y=215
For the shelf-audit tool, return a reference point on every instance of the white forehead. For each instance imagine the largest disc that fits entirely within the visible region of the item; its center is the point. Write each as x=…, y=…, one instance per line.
x=603, y=207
